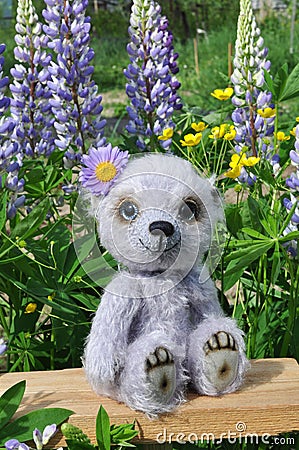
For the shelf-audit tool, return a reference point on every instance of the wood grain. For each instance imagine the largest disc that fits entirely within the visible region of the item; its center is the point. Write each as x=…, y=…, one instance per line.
x=268, y=403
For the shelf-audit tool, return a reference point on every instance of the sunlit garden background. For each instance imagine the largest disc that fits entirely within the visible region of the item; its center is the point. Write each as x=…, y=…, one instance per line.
x=69, y=83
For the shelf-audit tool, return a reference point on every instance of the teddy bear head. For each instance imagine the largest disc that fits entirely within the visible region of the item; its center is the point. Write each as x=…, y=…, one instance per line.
x=159, y=215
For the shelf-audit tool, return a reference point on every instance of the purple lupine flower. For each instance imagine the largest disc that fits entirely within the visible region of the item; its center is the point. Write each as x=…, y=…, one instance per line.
x=10, y=155
x=3, y=346
x=30, y=95
x=293, y=181
x=75, y=102
x=275, y=163
x=4, y=101
x=253, y=128
x=293, y=184
x=14, y=444
x=152, y=85
x=102, y=167
x=7, y=150
x=41, y=439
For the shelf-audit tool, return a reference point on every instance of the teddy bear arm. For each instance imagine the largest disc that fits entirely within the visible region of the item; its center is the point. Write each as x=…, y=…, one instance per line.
x=203, y=301
x=107, y=343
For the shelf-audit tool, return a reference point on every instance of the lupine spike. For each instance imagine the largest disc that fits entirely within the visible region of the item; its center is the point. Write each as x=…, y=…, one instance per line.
x=293, y=184
x=30, y=95
x=152, y=84
x=10, y=156
x=75, y=104
x=6, y=123
x=253, y=128
x=74, y=433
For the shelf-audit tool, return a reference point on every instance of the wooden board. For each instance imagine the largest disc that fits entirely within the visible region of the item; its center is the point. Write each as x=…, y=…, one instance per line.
x=268, y=403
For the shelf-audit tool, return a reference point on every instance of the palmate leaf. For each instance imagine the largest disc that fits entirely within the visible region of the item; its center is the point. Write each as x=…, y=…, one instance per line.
x=10, y=401
x=22, y=428
x=243, y=258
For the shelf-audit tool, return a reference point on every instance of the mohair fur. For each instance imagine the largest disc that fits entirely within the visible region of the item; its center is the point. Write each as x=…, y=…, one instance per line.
x=158, y=300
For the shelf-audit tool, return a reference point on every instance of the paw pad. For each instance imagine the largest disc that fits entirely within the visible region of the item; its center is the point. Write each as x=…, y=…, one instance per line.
x=221, y=360
x=160, y=371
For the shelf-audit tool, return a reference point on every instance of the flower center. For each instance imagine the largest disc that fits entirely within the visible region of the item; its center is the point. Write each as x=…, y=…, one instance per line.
x=105, y=171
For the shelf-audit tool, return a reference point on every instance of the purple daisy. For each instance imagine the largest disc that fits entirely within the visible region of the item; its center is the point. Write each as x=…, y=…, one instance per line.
x=103, y=166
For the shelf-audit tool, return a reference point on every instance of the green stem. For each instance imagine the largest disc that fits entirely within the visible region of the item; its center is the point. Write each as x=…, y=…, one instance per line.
x=276, y=124
x=52, y=351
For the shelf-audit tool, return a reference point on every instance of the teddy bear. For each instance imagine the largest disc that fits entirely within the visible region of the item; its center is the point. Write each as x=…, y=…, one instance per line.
x=159, y=327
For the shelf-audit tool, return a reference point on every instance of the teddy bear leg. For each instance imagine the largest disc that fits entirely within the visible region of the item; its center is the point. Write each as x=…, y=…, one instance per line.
x=153, y=378
x=216, y=358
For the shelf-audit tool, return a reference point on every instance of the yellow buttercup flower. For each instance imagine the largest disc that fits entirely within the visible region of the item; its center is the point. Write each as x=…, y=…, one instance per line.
x=223, y=94
x=251, y=161
x=230, y=134
x=293, y=131
x=238, y=161
x=167, y=134
x=267, y=113
x=234, y=173
x=30, y=308
x=218, y=132
x=297, y=119
x=190, y=140
x=200, y=126
x=280, y=136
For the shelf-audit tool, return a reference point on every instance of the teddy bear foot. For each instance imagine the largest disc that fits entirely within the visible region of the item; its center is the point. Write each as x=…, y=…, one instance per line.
x=161, y=374
x=221, y=360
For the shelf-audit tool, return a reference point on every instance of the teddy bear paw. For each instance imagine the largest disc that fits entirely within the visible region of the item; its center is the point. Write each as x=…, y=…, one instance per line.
x=161, y=373
x=221, y=360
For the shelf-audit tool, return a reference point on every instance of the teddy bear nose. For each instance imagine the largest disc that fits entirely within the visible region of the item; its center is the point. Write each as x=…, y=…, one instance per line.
x=161, y=225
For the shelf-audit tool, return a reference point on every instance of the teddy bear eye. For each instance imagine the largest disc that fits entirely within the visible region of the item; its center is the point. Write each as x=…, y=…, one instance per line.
x=189, y=210
x=128, y=210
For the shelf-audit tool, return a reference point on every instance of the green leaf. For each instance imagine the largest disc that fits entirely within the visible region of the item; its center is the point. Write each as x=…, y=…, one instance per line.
x=269, y=82
x=10, y=401
x=231, y=278
x=290, y=236
x=292, y=85
x=253, y=233
x=247, y=256
x=233, y=218
x=103, y=429
x=75, y=445
x=250, y=213
x=31, y=223
x=22, y=427
x=280, y=80
x=125, y=435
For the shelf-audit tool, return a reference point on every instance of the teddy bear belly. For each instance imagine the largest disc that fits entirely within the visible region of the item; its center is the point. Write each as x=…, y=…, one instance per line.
x=169, y=315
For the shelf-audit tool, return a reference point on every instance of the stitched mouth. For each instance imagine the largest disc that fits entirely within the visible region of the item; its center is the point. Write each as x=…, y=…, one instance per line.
x=155, y=251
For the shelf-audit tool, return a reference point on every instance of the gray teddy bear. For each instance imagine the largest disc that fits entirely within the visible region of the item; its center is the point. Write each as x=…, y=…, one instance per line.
x=159, y=326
